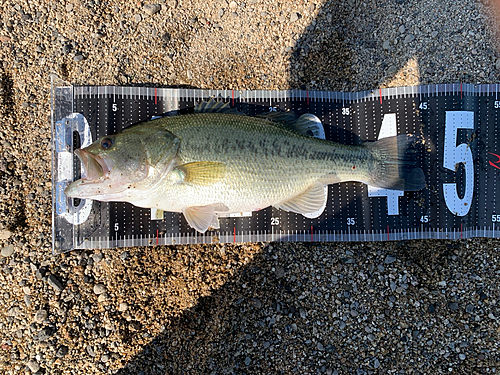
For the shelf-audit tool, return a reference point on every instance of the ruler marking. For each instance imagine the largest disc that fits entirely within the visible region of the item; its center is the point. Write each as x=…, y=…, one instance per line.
x=401, y=229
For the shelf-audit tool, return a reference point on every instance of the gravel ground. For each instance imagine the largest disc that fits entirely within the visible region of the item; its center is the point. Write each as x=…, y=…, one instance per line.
x=413, y=307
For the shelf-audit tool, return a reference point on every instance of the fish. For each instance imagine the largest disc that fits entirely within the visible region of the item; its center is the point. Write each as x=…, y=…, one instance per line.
x=217, y=161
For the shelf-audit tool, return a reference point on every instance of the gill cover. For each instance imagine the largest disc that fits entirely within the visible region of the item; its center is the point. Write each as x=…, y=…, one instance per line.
x=124, y=165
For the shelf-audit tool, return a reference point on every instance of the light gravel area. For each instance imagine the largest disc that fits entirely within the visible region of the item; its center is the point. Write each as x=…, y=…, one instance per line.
x=416, y=307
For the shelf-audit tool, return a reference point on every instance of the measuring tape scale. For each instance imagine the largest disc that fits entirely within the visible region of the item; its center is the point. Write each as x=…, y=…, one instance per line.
x=457, y=122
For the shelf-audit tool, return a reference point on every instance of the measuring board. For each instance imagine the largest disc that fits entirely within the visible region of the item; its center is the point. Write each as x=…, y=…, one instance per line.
x=461, y=162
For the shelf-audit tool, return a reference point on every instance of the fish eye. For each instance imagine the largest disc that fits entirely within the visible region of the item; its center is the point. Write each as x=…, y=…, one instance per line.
x=106, y=143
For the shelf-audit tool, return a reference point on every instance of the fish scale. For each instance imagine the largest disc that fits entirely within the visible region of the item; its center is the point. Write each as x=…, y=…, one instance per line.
x=263, y=159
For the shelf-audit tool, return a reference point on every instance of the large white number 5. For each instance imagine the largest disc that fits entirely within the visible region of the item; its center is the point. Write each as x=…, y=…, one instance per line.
x=454, y=155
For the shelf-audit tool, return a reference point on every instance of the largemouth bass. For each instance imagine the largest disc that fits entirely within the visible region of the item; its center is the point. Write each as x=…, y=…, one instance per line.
x=218, y=161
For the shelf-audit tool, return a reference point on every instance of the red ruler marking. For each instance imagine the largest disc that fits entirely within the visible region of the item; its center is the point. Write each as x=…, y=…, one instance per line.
x=311, y=233
x=234, y=234
x=156, y=233
x=232, y=99
x=380, y=92
x=156, y=102
x=460, y=90
x=461, y=230
x=388, y=239
x=307, y=97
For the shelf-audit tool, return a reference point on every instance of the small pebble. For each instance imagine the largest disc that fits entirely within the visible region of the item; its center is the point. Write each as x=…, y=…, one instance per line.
x=54, y=282
x=78, y=58
x=294, y=17
x=33, y=365
x=40, y=315
x=409, y=38
x=7, y=251
x=279, y=271
x=5, y=234
x=99, y=288
x=137, y=18
x=62, y=351
x=90, y=351
x=453, y=306
x=256, y=303
x=43, y=335
x=151, y=9
x=389, y=259
x=13, y=311
x=97, y=257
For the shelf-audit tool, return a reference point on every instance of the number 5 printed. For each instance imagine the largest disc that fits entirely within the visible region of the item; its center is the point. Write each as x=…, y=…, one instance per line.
x=454, y=155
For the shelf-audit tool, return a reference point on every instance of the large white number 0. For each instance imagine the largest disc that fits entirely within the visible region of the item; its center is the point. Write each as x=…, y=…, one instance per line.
x=454, y=155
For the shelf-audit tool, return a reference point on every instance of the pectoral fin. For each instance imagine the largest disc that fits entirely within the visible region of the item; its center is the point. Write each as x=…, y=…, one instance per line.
x=310, y=203
x=201, y=217
x=202, y=172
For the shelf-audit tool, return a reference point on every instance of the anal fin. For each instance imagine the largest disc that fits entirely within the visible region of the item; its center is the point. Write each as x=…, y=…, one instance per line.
x=310, y=203
x=201, y=217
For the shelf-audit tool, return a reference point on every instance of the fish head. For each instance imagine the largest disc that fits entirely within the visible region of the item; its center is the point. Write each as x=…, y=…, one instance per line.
x=124, y=166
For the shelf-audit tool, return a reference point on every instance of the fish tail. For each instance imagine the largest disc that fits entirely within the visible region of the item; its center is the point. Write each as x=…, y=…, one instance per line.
x=395, y=164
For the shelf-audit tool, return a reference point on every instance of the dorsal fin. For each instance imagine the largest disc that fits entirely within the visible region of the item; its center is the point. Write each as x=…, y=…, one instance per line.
x=213, y=106
x=307, y=124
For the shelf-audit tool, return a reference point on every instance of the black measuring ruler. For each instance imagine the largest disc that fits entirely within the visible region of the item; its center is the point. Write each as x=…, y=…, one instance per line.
x=460, y=159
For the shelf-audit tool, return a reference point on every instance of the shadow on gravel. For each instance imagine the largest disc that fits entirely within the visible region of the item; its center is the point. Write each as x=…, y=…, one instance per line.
x=6, y=94
x=262, y=319
x=213, y=336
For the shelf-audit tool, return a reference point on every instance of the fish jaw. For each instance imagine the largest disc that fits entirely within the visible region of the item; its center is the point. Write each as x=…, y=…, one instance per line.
x=85, y=189
x=95, y=182
x=95, y=167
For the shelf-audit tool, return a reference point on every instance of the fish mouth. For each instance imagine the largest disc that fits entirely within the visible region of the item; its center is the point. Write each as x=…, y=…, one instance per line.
x=95, y=167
